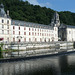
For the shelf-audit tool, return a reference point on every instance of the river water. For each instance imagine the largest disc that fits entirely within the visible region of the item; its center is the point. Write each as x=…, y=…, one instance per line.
x=56, y=65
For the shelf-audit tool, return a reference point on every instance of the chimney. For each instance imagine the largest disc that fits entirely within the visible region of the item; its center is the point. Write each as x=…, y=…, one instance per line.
x=7, y=12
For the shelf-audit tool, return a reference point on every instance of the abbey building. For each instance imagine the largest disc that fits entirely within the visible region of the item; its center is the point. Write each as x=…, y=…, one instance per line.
x=21, y=31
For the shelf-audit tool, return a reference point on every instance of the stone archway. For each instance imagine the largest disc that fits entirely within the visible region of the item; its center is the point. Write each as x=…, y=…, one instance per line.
x=52, y=38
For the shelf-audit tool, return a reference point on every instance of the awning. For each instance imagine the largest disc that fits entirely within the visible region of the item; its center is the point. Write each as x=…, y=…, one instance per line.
x=1, y=39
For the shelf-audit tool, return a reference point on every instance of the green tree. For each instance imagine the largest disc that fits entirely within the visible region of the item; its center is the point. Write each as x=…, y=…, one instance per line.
x=1, y=53
x=23, y=10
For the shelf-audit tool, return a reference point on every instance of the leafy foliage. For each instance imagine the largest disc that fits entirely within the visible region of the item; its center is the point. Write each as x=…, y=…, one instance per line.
x=1, y=54
x=20, y=10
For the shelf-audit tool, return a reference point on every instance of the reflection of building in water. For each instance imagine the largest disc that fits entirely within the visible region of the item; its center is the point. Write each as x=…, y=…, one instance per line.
x=63, y=63
x=71, y=59
x=42, y=66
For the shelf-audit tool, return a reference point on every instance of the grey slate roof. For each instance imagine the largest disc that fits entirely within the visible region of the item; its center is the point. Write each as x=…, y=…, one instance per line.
x=66, y=26
x=63, y=26
x=69, y=26
x=30, y=24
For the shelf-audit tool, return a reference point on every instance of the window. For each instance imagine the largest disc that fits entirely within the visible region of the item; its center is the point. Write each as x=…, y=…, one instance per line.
x=24, y=33
x=38, y=29
x=29, y=33
x=29, y=39
x=32, y=29
x=35, y=34
x=35, y=39
x=19, y=28
x=19, y=32
x=2, y=31
x=42, y=34
x=7, y=26
x=24, y=39
x=32, y=33
x=45, y=34
x=24, y=28
x=13, y=32
x=19, y=40
x=7, y=21
x=40, y=40
x=38, y=34
x=8, y=39
x=13, y=27
x=13, y=39
x=2, y=21
x=8, y=31
x=2, y=26
x=35, y=29
x=69, y=32
x=29, y=29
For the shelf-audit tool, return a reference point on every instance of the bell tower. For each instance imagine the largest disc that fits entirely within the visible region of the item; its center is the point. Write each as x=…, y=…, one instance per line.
x=55, y=20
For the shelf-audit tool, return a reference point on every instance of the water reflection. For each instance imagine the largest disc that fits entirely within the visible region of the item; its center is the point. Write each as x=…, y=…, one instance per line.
x=58, y=65
x=63, y=63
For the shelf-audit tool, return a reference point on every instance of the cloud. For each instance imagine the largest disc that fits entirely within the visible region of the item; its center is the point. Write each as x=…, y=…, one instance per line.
x=35, y=2
x=47, y=4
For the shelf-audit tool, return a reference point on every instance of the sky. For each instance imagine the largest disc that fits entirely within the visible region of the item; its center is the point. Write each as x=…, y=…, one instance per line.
x=57, y=5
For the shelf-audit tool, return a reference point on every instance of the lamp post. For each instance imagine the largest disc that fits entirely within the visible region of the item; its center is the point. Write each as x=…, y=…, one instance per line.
x=19, y=37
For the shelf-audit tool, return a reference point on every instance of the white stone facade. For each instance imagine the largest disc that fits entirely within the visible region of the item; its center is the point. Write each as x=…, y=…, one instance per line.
x=70, y=34
x=21, y=31
x=5, y=29
x=33, y=34
x=66, y=32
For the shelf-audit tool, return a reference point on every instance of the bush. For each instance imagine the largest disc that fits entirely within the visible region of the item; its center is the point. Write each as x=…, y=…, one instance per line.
x=1, y=55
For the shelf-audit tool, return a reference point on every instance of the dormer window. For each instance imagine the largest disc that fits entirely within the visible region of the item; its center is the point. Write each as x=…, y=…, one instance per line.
x=1, y=6
x=2, y=21
x=7, y=21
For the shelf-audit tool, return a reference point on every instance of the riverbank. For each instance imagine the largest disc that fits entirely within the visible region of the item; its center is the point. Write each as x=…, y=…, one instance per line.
x=32, y=49
x=37, y=56
x=37, y=50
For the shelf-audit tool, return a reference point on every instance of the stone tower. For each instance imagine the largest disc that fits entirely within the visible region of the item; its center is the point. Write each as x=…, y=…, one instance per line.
x=55, y=20
x=5, y=25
